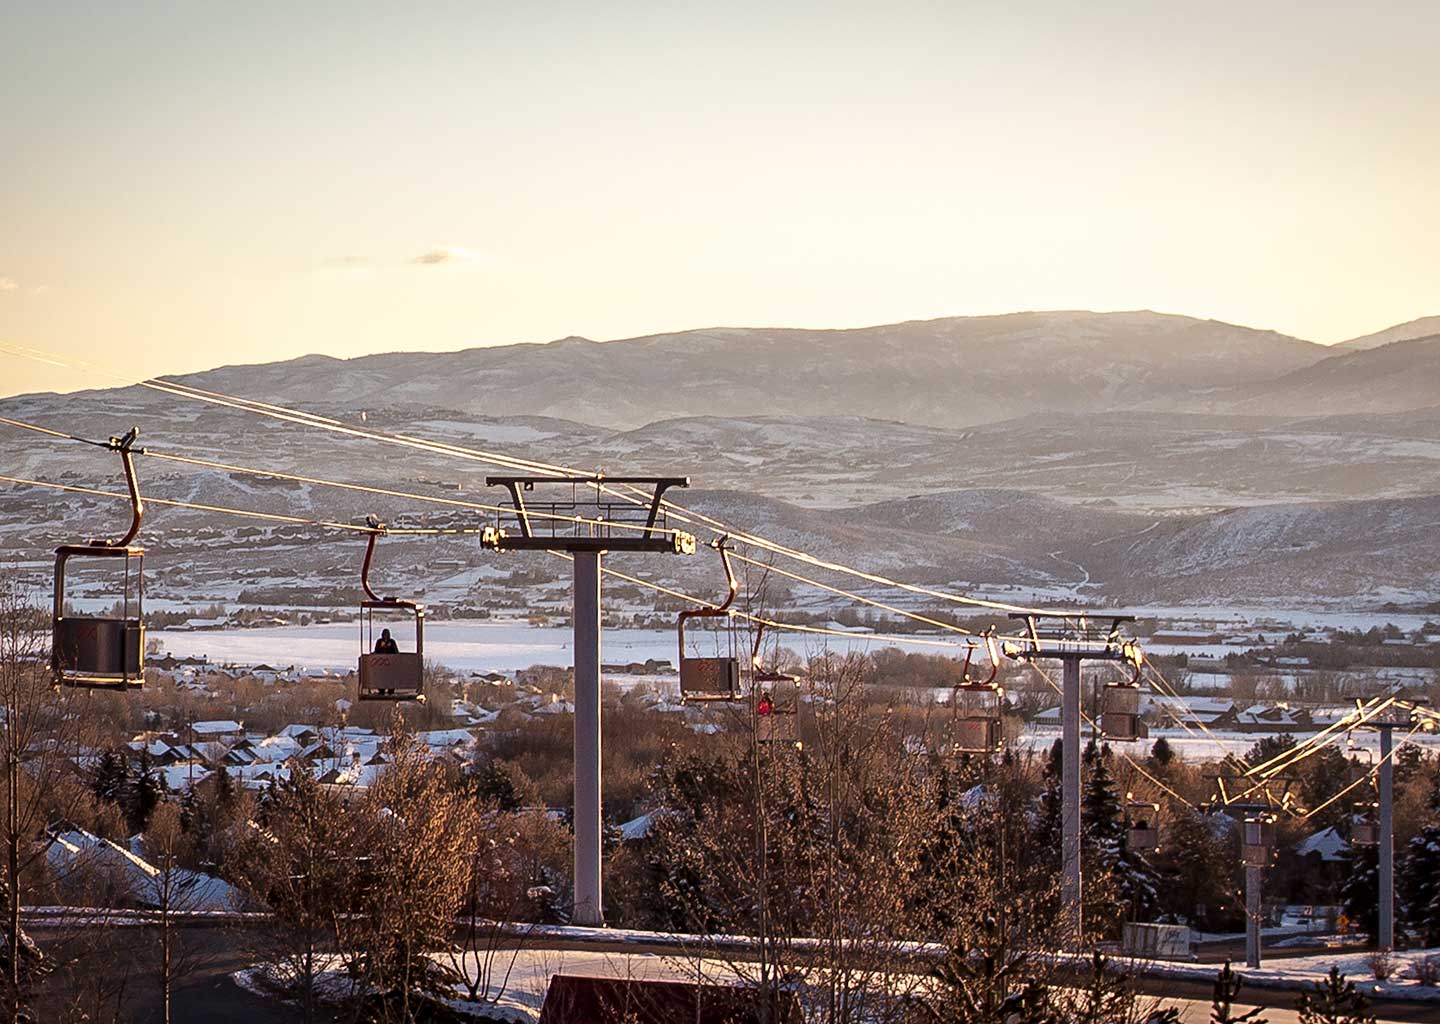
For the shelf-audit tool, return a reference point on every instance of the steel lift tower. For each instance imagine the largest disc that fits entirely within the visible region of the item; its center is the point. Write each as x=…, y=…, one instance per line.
x=1072, y=639
x=632, y=526
x=1393, y=717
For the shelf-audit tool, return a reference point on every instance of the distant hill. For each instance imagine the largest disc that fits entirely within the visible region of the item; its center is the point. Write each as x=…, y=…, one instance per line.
x=946, y=373
x=1327, y=551
x=1399, y=377
x=1421, y=328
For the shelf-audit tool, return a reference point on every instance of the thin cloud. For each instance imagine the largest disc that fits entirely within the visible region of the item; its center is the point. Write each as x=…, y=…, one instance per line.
x=8, y=284
x=445, y=255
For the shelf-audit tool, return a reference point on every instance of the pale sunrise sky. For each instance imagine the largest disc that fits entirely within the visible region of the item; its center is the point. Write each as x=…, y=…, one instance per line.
x=191, y=184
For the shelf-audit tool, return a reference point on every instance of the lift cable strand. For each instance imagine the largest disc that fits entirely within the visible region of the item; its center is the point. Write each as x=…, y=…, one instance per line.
x=286, y=414
x=231, y=467
x=1097, y=731
x=1368, y=776
x=321, y=482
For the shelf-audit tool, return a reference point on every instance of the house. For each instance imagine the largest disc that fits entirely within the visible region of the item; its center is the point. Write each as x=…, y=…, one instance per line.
x=1213, y=712
x=222, y=729
x=1327, y=845
x=1271, y=718
x=304, y=734
x=180, y=777
x=276, y=749
x=444, y=739
x=259, y=775
x=79, y=856
x=350, y=777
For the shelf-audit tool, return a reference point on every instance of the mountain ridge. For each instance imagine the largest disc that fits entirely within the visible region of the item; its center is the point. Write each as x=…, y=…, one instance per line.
x=953, y=371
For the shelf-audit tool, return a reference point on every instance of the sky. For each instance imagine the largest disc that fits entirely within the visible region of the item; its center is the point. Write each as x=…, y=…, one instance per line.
x=194, y=184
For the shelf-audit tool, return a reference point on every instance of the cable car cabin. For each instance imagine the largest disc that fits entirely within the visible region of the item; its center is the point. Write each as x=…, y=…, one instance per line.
x=386, y=671
x=978, y=718
x=704, y=679
x=100, y=652
x=105, y=652
x=1142, y=834
x=1364, y=832
x=1120, y=714
x=978, y=705
x=774, y=723
x=1260, y=831
x=1256, y=856
x=709, y=679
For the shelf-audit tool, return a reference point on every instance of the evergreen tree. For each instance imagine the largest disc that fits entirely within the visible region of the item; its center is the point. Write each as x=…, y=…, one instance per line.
x=1197, y=869
x=1360, y=891
x=1222, y=1002
x=494, y=785
x=190, y=821
x=545, y=899
x=146, y=790
x=1334, y=1001
x=1418, y=876
x=1409, y=759
x=111, y=781
x=1322, y=776
x=1048, y=827
x=1268, y=748
x=1132, y=878
x=223, y=787
x=1162, y=754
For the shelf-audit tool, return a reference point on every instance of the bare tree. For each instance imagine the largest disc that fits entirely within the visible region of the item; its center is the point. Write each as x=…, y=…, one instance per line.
x=302, y=866
x=811, y=848
x=490, y=935
x=42, y=746
x=174, y=890
x=419, y=827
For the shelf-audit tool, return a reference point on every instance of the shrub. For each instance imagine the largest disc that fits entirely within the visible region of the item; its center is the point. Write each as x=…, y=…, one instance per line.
x=1381, y=964
x=1427, y=970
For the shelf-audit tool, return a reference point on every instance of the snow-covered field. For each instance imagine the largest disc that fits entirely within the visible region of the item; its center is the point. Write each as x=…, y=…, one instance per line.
x=464, y=646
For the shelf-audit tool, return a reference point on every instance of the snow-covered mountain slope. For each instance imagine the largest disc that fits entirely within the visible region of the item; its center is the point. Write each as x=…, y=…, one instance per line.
x=1424, y=327
x=1400, y=376
x=952, y=372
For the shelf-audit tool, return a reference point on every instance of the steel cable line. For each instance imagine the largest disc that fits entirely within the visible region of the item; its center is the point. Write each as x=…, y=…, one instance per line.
x=246, y=405
x=1097, y=731
x=173, y=503
x=1169, y=691
x=718, y=527
x=229, y=467
x=444, y=448
x=860, y=598
x=1367, y=776
x=775, y=624
x=481, y=455
x=760, y=620
x=1313, y=744
x=319, y=481
x=1267, y=770
x=290, y=416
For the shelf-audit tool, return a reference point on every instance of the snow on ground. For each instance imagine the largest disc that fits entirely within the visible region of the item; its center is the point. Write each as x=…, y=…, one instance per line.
x=462, y=645
x=1196, y=746
x=517, y=987
x=1298, y=972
